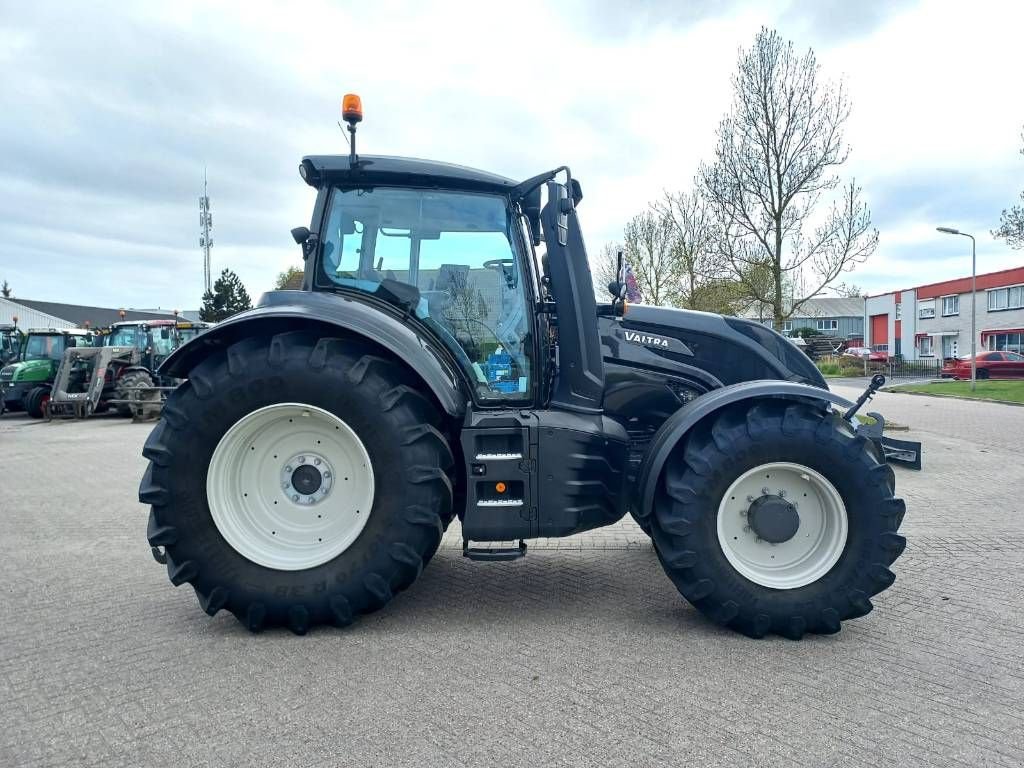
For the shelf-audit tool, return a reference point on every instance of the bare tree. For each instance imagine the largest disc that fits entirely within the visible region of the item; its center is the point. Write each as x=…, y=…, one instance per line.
x=604, y=269
x=698, y=264
x=649, y=242
x=774, y=160
x=1011, y=222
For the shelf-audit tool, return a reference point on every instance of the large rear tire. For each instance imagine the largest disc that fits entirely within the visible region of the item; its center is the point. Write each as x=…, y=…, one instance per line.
x=778, y=517
x=299, y=525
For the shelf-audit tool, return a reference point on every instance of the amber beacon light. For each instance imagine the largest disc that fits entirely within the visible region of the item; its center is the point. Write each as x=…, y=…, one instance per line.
x=352, y=108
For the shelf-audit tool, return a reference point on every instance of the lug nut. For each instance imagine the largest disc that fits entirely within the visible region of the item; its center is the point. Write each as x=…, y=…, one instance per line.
x=750, y=498
x=327, y=475
x=295, y=497
x=302, y=459
x=284, y=485
x=288, y=468
x=782, y=493
x=316, y=462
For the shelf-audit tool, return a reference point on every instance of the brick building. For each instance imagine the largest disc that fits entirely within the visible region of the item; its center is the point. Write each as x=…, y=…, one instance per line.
x=933, y=321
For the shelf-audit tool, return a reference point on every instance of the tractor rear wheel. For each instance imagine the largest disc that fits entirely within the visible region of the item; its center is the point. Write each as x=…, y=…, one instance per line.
x=297, y=481
x=128, y=388
x=778, y=517
x=36, y=402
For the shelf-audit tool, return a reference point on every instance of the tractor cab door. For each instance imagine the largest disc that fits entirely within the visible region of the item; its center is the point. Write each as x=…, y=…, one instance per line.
x=455, y=261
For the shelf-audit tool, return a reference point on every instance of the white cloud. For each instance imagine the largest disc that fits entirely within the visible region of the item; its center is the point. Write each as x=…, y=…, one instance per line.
x=115, y=110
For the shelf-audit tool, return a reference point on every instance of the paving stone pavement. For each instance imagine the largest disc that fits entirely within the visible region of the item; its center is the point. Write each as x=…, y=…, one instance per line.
x=581, y=654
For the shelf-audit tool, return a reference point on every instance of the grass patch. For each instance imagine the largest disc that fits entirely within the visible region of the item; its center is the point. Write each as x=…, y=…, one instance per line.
x=986, y=390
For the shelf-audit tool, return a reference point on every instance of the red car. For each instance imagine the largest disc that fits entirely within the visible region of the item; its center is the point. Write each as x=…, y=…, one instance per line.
x=991, y=365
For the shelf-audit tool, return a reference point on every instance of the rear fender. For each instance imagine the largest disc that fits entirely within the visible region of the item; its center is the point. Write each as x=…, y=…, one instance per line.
x=283, y=311
x=679, y=424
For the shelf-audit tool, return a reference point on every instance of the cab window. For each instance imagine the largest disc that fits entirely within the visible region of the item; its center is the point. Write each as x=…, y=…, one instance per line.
x=459, y=252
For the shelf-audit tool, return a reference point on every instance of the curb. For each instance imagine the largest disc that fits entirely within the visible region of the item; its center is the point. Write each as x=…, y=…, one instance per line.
x=958, y=397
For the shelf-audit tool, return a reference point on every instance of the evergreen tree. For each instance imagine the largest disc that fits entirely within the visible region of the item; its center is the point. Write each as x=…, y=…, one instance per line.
x=5, y=290
x=227, y=298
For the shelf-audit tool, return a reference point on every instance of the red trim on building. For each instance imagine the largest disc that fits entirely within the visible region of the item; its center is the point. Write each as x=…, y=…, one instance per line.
x=963, y=284
x=919, y=336
x=994, y=331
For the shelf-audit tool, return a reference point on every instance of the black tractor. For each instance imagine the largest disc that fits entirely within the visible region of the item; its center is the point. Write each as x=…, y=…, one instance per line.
x=447, y=358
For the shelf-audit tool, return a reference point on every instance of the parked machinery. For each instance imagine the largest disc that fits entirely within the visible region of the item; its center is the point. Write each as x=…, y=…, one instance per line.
x=26, y=385
x=121, y=371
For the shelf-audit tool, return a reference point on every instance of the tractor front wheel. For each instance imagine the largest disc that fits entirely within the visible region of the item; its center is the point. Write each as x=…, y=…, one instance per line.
x=36, y=402
x=778, y=517
x=297, y=481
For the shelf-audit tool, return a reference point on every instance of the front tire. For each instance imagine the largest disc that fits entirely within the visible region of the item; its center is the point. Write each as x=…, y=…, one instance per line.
x=36, y=402
x=213, y=493
x=778, y=517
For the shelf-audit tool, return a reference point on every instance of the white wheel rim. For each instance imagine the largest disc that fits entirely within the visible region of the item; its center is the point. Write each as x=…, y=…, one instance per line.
x=262, y=514
x=817, y=544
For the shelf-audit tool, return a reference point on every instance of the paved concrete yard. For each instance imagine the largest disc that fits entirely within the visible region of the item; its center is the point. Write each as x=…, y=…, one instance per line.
x=582, y=654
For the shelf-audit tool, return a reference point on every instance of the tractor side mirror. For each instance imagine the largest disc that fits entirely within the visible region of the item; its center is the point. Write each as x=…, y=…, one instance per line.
x=576, y=191
x=306, y=239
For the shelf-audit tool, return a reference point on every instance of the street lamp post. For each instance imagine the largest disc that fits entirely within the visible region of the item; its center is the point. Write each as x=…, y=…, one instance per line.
x=974, y=302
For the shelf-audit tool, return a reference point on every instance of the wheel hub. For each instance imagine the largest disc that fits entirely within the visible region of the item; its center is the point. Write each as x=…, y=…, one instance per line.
x=307, y=478
x=271, y=480
x=773, y=519
x=782, y=525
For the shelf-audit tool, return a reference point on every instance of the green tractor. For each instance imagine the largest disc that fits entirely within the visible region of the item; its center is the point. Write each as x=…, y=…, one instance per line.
x=25, y=385
x=447, y=359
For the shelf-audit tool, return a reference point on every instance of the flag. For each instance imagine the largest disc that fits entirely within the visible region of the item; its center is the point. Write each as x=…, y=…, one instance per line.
x=632, y=289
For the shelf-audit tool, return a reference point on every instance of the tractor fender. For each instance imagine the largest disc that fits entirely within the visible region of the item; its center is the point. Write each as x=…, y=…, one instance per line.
x=283, y=311
x=682, y=421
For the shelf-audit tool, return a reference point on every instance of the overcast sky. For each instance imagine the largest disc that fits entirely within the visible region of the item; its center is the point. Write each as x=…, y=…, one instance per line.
x=110, y=114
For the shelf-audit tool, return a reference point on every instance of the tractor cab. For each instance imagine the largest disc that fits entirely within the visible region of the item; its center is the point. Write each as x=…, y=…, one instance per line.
x=11, y=339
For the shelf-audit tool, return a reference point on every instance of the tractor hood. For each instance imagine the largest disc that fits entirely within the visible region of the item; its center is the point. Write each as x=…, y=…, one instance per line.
x=29, y=370
x=686, y=342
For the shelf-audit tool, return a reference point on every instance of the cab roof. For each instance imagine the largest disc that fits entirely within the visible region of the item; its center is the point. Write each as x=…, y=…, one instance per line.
x=60, y=331
x=400, y=171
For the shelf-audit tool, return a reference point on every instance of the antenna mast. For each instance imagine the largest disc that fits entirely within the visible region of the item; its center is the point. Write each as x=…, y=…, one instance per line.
x=205, y=239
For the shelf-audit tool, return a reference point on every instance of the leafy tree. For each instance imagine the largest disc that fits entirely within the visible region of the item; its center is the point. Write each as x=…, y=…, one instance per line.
x=1011, y=222
x=775, y=157
x=5, y=290
x=227, y=298
x=290, y=275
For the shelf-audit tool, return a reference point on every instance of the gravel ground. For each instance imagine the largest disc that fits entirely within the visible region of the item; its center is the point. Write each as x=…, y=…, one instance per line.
x=583, y=653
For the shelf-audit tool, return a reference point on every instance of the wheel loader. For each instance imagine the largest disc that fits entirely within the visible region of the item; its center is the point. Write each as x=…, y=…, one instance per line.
x=120, y=371
x=26, y=383
x=447, y=358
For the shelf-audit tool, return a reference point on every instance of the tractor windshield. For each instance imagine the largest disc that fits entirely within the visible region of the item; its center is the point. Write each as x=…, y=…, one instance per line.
x=45, y=347
x=459, y=250
x=126, y=336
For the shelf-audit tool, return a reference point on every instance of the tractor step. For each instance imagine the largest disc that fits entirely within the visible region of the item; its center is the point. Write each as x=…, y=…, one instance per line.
x=493, y=554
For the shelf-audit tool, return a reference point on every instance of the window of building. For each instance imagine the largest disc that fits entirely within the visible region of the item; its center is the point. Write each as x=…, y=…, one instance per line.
x=899, y=311
x=787, y=326
x=1006, y=298
x=926, y=309
x=1005, y=342
x=828, y=325
x=925, y=347
x=950, y=305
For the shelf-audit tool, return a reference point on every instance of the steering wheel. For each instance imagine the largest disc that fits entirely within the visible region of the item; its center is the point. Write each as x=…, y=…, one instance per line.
x=507, y=268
